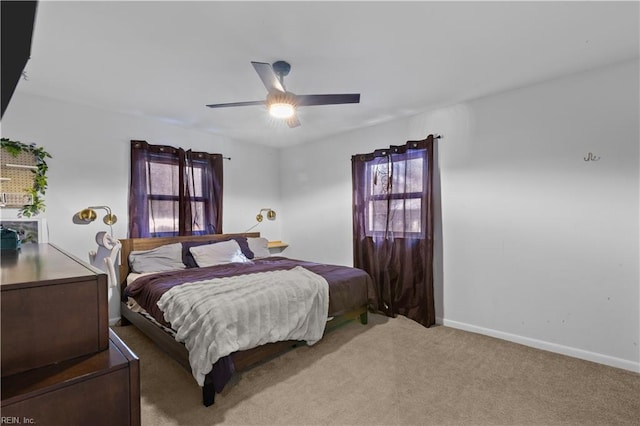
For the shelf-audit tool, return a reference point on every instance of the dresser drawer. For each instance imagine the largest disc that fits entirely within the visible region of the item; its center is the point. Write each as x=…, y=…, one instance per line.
x=53, y=308
x=99, y=389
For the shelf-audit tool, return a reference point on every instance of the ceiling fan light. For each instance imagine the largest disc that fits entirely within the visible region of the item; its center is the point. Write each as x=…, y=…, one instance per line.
x=282, y=110
x=281, y=105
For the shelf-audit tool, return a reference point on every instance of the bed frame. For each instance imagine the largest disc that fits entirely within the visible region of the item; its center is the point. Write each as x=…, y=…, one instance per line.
x=242, y=360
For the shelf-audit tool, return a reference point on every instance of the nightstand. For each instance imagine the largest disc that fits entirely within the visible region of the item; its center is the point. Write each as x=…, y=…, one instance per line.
x=276, y=246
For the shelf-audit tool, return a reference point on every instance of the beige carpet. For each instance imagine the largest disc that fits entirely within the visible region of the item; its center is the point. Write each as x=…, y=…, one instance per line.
x=395, y=372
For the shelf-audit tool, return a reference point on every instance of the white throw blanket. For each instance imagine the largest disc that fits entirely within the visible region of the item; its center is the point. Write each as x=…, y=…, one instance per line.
x=217, y=317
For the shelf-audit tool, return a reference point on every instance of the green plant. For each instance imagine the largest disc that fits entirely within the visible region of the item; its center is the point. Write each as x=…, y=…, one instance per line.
x=39, y=187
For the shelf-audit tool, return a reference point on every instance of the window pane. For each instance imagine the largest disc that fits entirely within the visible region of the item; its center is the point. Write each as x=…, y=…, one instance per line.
x=378, y=177
x=404, y=215
x=163, y=216
x=197, y=181
x=407, y=176
x=163, y=179
x=197, y=212
x=377, y=215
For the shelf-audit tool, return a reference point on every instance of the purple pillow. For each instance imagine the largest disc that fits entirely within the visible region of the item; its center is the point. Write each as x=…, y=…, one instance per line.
x=190, y=262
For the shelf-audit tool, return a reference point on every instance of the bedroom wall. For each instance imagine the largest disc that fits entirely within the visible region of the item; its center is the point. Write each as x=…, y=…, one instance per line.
x=537, y=245
x=90, y=166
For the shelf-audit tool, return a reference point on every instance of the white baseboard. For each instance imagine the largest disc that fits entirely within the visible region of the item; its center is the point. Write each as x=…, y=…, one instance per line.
x=547, y=346
x=534, y=343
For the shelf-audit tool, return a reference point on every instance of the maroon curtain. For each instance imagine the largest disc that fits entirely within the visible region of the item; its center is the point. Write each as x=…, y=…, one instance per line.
x=393, y=227
x=174, y=192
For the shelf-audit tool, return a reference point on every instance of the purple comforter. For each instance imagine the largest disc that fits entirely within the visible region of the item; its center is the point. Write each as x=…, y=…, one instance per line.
x=349, y=288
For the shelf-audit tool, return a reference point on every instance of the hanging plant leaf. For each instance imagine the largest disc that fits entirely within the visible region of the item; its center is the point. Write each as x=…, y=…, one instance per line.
x=37, y=192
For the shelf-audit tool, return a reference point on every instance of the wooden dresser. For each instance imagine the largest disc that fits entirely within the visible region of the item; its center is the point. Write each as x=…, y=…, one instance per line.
x=60, y=362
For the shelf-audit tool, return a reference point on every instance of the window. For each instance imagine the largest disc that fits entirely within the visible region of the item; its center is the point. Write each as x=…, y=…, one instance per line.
x=174, y=192
x=164, y=197
x=393, y=227
x=394, y=195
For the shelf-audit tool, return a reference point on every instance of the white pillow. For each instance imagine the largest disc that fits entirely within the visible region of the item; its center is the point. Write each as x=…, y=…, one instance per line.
x=259, y=247
x=218, y=253
x=159, y=259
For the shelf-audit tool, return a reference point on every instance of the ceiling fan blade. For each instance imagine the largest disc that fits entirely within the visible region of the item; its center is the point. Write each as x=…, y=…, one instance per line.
x=345, y=98
x=268, y=77
x=293, y=122
x=234, y=104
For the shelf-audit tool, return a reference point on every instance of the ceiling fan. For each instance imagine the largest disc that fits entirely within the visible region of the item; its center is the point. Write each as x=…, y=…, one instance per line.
x=282, y=103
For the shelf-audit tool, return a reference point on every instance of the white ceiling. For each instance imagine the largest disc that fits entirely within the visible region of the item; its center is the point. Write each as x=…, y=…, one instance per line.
x=166, y=60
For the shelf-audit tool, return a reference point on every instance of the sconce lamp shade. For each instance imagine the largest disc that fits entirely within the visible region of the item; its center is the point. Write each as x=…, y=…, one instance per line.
x=110, y=219
x=87, y=215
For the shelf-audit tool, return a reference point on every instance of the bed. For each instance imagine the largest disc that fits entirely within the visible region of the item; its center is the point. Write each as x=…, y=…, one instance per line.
x=146, y=287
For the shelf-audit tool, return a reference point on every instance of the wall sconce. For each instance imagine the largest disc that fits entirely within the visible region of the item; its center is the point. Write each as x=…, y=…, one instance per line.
x=271, y=215
x=89, y=215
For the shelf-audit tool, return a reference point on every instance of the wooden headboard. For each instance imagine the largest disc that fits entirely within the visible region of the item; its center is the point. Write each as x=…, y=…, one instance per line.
x=135, y=244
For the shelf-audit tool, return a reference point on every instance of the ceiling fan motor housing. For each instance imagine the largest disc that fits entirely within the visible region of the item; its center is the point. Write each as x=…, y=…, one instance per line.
x=281, y=68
